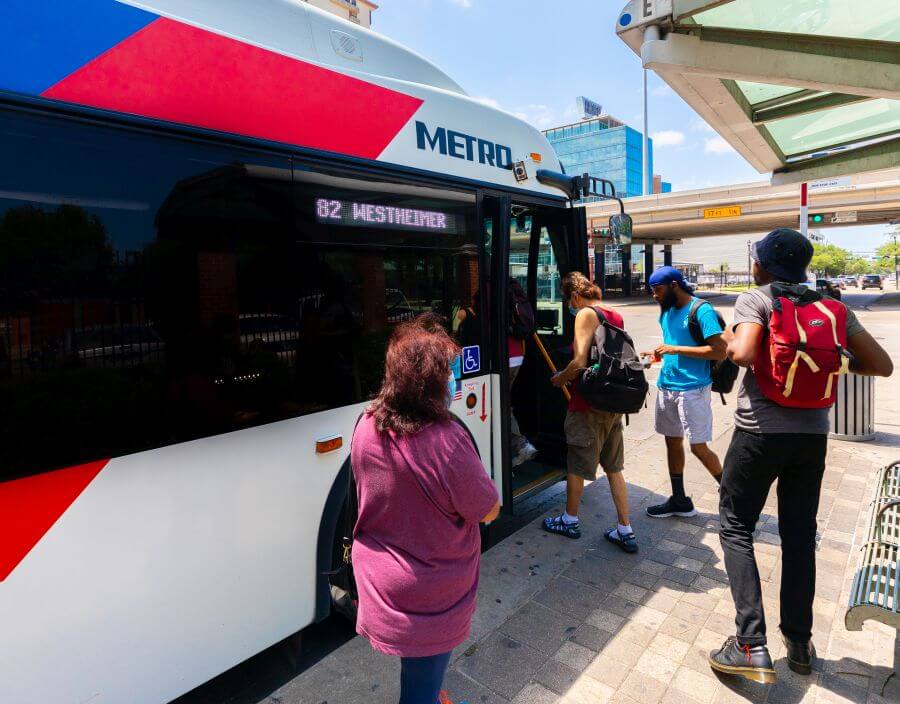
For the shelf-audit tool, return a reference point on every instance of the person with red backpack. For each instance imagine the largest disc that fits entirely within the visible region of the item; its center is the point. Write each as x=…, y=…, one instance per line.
x=795, y=343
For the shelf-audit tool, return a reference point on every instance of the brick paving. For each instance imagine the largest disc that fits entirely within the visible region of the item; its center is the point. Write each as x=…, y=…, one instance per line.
x=580, y=622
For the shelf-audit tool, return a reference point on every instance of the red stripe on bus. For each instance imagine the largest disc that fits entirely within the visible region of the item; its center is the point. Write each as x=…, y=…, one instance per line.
x=175, y=72
x=29, y=507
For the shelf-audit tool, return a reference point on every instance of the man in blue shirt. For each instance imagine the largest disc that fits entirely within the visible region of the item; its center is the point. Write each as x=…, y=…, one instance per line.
x=683, y=401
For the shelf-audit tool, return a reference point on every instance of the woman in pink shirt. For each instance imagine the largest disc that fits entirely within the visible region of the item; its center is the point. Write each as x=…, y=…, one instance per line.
x=422, y=492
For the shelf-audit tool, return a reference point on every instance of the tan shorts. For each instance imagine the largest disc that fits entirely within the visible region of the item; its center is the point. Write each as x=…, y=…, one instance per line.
x=594, y=437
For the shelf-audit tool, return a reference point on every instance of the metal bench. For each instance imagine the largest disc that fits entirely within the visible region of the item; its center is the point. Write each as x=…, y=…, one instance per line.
x=876, y=586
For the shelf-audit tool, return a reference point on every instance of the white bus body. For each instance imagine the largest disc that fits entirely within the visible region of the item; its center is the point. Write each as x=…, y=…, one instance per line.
x=133, y=578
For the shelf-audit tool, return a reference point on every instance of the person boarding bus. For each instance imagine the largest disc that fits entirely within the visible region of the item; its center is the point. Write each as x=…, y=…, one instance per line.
x=683, y=398
x=794, y=344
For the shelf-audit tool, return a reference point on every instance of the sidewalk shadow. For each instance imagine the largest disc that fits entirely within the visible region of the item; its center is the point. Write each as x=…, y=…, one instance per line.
x=848, y=679
x=601, y=595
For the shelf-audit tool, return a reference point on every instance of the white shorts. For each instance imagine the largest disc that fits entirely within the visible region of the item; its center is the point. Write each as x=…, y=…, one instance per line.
x=685, y=414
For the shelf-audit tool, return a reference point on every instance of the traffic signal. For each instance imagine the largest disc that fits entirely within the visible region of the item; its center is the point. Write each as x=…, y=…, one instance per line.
x=830, y=218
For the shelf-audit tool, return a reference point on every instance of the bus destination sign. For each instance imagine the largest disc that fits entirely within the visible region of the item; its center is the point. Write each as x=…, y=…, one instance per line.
x=355, y=214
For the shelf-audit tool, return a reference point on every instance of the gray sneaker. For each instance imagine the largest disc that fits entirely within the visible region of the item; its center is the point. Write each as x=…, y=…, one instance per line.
x=525, y=453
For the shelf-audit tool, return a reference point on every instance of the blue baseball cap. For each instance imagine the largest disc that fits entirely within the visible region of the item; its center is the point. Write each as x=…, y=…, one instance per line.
x=666, y=275
x=785, y=254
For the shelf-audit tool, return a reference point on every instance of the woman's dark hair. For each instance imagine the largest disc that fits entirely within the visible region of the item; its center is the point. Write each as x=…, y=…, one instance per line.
x=416, y=370
x=577, y=283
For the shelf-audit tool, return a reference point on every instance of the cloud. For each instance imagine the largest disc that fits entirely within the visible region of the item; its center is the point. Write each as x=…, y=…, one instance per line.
x=667, y=138
x=661, y=90
x=462, y=3
x=490, y=102
x=700, y=125
x=717, y=145
x=536, y=114
x=542, y=116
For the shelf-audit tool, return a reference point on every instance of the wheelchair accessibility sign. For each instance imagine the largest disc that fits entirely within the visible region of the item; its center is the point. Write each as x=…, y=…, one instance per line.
x=471, y=359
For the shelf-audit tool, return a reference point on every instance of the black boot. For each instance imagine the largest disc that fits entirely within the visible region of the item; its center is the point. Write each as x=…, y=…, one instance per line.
x=799, y=655
x=750, y=661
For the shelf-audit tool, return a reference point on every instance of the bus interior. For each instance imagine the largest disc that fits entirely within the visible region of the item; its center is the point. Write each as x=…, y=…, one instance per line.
x=543, y=247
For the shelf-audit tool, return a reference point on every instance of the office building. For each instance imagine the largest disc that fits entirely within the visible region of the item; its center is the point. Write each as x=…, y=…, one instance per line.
x=357, y=11
x=603, y=147
x=607, y=148
x=660, y=186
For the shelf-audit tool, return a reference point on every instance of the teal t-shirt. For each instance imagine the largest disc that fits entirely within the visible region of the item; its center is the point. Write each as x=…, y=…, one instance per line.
x=685, y=373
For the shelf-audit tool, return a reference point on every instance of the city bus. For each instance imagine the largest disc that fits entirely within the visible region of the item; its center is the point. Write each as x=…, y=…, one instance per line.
x=213, y=213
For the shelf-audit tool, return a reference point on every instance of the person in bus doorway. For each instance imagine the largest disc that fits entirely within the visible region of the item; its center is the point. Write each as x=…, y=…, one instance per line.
x=422, y=492
x=594, y=437
x=521, y=327
x=684, y=398
x=781, y=432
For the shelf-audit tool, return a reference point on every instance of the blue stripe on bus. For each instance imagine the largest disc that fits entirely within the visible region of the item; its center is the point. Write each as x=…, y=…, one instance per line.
x=43, y=41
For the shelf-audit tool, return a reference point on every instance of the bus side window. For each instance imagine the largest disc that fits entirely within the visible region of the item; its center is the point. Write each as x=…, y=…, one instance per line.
x=197, y=293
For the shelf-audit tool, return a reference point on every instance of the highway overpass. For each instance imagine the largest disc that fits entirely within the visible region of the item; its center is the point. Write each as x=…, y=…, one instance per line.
x=668, y=218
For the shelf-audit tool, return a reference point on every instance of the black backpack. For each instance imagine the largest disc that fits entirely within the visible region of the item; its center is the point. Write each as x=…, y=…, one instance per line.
x=521, y=314
x=616, y=381
x=725, y=372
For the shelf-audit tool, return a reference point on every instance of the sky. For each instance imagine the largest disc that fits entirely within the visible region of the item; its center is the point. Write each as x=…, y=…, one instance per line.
x=532, y=58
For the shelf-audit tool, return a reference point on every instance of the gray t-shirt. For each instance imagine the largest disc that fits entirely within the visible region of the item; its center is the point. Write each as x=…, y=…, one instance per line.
x=757, y=414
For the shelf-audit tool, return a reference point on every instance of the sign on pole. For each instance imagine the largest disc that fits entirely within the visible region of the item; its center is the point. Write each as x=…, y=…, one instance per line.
x=587, y=108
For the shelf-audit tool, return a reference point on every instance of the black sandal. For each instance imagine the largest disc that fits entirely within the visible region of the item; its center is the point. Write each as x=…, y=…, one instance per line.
x=556, y=524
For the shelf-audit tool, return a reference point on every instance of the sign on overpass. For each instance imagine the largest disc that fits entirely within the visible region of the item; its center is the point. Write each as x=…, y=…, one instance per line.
x=728, y=211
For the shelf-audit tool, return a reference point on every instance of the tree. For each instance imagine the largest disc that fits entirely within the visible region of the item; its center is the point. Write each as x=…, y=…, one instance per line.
x=829, y=260
x=859, y=266
x=889, y=250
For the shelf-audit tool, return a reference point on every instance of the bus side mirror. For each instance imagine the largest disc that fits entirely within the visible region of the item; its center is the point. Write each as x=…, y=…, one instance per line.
x=621, y=228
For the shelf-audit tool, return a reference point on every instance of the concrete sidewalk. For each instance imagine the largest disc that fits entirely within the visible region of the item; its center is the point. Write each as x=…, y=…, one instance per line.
x=579, y=622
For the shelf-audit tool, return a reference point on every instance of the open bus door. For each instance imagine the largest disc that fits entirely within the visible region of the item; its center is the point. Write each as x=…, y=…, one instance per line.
x=541, y=244
x=544, y=244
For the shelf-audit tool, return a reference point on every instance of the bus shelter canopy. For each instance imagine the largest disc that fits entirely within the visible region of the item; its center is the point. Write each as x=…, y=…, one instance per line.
x=806, y=89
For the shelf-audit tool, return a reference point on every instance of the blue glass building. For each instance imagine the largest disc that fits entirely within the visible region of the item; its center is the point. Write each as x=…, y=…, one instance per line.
x=604, y=147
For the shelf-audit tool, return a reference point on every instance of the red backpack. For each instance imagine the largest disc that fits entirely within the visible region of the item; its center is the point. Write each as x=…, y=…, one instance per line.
x=806, y=350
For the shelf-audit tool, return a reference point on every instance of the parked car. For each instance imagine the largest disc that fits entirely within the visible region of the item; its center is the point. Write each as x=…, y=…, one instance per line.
x=872, y=281
x=826, y=288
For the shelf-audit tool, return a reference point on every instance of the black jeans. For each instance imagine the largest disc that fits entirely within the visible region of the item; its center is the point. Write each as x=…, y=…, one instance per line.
x=753, y=462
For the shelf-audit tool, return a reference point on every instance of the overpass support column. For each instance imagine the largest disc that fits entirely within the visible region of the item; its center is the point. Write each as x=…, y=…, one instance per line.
x=648, y=265
x=667, y=255
x=626, y=270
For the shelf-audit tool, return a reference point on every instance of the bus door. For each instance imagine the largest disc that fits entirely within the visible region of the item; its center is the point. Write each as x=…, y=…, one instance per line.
x=544, y=244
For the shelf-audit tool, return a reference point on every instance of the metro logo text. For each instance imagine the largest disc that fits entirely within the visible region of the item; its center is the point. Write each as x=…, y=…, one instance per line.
x=463, y=146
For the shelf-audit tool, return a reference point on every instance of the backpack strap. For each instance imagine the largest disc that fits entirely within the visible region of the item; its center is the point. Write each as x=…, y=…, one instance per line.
x=694, y=324
x=604, y=321
x=351, y=508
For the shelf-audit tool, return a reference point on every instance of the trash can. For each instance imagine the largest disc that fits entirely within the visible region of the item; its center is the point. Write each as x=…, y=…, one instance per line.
x=853, y=414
